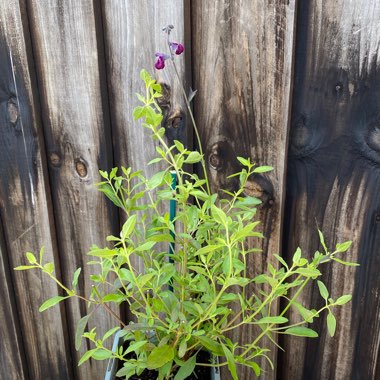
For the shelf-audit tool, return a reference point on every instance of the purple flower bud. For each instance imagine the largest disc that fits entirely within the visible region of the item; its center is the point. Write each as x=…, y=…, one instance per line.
x=177, y=48
x=160, y=60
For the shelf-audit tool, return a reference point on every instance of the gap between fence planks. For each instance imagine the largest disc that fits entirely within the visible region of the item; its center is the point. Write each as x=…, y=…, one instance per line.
x=334, y=180
x=242, y=56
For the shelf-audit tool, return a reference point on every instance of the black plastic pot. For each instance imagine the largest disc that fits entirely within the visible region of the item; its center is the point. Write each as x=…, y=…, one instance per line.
x=113, y=364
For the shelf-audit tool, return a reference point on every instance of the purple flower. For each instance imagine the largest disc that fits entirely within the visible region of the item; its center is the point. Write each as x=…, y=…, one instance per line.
x=176, y=48
x=160, y=60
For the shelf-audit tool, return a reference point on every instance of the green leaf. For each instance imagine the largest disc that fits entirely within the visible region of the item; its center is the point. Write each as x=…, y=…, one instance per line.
x=25, y=267
x=256, y=368
x=179, y=146
x=156, y=180
x=51, y=302
x=160, y=356
x=31, y=258
x=343, y=247
x=343, y=299
x=208, y=248
x=182, y=348
x=128, y=227
x=80, y=330
x=42, y=250
x=306, y=314
x=127, y=371
x=322, y=240
x=138, y=112
x=297, y=255
x=331, y=324
x=112, y=297
x=276, y=319
x=106, y=189
x=282, y=261
x=211, y=345
x=262, y=169
x=155, y=160
x=193, y=158
x=75, y=277
x=146, y=246
x=110, y=332
x=347, y=263
x=308, y=272
x=161, y=237
x=244, y=161
x=218, y=215
x=301, y=331
x=101, y=354
x=87, y=355
x=102, y=252
x=230, y=361
x=49, y=268
x=186, y=369
x=134, y=347
x=323, y=290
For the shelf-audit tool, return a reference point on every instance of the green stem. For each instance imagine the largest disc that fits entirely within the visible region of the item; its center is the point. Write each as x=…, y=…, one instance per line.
x=269, y=327
x=195, y=128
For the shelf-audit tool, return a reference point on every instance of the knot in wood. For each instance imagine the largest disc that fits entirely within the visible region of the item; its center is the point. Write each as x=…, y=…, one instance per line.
x=338, y=87
x=13, y=111
x=55, y=159
x=300, y=133
x=164, y=101
x=219, y=152
x=81, y=167
x=215, y=161
x=373, y=139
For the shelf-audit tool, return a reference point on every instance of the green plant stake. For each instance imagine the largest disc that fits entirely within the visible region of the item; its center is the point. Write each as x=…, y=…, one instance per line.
x=172, y=215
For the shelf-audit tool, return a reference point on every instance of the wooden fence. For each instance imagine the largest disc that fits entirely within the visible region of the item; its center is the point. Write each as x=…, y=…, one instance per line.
x=291, y=83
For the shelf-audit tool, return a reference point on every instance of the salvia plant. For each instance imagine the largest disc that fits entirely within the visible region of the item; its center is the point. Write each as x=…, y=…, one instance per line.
x=191, y=297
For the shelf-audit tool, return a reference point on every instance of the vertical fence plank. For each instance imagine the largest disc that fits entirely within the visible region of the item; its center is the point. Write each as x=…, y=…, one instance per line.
x=13, y=363
x=25, y=209
x=242, y=55
x=130, y=47
x=68, y=47
x=334, y=179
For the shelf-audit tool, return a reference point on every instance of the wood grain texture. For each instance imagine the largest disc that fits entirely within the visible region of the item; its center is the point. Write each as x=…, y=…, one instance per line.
x=334, y=180
x=67, y=43
x=25, y=214
x=13, y=363
x=133, y=34
x=242, y=63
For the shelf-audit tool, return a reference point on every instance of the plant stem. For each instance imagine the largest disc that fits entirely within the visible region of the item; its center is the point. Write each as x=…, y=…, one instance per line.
x=195, y=128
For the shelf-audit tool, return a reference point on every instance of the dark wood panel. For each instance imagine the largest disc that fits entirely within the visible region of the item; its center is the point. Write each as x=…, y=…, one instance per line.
x=334, y=180
x=24, y=210
x=13, y=363
x=242, y=63
x=67, y=43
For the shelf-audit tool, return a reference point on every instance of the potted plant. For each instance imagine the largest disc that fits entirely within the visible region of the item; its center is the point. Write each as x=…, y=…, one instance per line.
x=184, y=301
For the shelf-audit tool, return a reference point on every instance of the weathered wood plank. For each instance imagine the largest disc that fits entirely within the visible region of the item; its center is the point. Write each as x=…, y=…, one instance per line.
x=67, y=44
x=13, y=364
x=334, y=179
x=25, y=210
x=242, y=63
x=130, y=47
